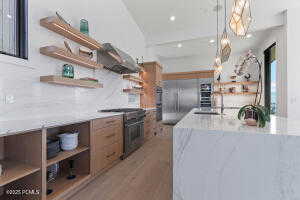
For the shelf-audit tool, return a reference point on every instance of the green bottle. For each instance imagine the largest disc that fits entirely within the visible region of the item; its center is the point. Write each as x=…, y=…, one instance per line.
x=84, y=26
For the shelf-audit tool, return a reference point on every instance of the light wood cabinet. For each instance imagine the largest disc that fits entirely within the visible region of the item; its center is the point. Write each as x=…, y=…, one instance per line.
x=152, y=76
x=106, y=142
x=150, y=124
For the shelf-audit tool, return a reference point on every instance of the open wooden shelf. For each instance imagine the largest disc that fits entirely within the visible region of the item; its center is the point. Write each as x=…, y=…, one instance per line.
x=235, y=93
x=133, y=78
x=237, y=83
x=70, y=82
x=62, y=186
x=13, y=171
x=58, y=26
x=133, y=91
x=64, y=55
x=66, y=154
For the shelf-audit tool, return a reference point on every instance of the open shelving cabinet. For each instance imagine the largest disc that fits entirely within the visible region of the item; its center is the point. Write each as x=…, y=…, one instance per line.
x=235, y=93
x=64, y=55
x=70, y=82
x=236, y=83
x=62, y=186
x=21, y=160
x=25, y=164
x=133, y=78
x=58, y=26
x=133, y=91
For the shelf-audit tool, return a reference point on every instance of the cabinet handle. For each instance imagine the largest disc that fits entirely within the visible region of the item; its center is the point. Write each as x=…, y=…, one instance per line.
x=109, y=136
x=108, y=156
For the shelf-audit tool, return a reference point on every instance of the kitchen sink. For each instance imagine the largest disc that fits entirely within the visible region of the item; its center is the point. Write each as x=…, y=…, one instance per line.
x=206, y=113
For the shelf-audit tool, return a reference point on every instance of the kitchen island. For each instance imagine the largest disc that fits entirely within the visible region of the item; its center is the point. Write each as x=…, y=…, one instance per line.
x=219, y=158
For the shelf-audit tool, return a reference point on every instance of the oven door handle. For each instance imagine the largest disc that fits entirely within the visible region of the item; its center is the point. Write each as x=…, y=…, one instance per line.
x=128, y=125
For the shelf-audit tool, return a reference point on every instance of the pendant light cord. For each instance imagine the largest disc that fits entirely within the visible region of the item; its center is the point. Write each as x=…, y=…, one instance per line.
x=218, y=27
x=225, y=20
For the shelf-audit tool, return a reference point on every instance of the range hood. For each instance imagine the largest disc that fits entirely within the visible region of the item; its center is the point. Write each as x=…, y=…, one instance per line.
x=116, y=60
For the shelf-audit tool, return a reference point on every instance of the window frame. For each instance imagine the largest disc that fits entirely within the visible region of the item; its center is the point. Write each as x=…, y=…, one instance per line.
x=22, y=31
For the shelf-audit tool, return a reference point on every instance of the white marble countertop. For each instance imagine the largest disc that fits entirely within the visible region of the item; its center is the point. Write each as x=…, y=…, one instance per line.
x=33, y=123
x=230, y=124
x=149, y=109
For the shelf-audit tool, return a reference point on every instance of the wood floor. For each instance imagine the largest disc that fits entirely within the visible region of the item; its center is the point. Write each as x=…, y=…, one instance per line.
x=145, y=175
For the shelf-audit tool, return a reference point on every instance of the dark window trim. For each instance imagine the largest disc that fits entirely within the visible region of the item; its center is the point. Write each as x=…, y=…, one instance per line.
x=21, y=29
x=267, y=54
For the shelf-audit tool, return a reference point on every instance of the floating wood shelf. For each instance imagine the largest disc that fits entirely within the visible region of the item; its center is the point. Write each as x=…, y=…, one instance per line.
x=58, y=26
x=133, y=91
x=62, y=186
x=133, y=78
x=14, y=171
x=237, y=83
x=235, y=93
x=70, y=82
x=64, y=55
x=66, y=154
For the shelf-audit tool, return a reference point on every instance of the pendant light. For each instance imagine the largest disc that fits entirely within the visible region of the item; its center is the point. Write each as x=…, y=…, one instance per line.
x=225, y=41
x=241, y=17
x=217, y=63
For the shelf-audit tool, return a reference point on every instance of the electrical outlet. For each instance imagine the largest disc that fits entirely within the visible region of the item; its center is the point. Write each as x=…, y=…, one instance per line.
x=9, y=99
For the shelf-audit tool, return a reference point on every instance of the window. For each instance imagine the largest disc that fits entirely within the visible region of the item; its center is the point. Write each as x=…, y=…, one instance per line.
x=270, y=79
x=13, y=30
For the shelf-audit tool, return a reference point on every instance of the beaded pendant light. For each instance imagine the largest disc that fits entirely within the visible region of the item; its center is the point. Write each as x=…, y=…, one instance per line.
x=241, y=17
x=225, y=41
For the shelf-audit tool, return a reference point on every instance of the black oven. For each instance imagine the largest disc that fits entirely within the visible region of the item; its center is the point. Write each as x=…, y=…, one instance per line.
x=159, y=94
x=159, y=100
x=134, y=135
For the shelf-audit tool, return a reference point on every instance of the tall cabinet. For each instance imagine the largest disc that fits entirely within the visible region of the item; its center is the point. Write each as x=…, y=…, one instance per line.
x=152, y=76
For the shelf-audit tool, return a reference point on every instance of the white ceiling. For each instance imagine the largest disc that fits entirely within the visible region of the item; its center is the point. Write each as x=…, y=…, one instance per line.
x=195, y=23
x=202, y=47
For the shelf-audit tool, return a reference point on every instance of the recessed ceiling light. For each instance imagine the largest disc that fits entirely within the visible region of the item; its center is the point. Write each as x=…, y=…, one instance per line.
x=248, y=35
x=212, y=41
x=179, y=45
x=172, y=18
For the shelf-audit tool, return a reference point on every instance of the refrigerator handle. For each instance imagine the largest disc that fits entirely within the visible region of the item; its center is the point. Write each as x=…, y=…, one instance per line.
x=178, y=100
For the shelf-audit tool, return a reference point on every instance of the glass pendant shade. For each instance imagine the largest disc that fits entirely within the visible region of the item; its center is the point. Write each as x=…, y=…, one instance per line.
x=241, y=17
x=225, y=48
x=217, y=65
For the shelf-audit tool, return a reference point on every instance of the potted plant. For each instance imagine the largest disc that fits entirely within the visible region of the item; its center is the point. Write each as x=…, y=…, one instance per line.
x=255, y=114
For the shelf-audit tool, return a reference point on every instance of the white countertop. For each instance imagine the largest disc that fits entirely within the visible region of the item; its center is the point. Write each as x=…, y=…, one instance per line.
x=11, y=127
x=149, y=109
x=278, y=126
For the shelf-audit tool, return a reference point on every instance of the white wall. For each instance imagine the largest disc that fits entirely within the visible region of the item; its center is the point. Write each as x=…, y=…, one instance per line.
x=109, y=22
x=293, y=63
x=278, y=36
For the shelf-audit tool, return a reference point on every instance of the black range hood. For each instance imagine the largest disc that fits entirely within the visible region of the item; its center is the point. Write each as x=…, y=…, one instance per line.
x=116, y=60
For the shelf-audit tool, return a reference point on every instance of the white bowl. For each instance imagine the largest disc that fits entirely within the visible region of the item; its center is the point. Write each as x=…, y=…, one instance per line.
x=68, y=141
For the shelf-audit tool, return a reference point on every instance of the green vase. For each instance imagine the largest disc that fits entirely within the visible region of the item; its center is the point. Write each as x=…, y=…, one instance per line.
x=84, y=26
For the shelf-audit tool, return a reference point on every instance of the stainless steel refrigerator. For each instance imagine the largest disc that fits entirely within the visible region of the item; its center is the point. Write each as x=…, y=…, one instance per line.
x=181, y=96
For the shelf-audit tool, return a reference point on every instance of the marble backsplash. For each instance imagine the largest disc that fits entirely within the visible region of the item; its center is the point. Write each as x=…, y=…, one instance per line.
x=31, y=98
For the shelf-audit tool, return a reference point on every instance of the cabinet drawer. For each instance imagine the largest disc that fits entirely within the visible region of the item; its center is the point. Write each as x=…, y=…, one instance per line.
x=107, y=155
x=107, y=136
x=107, y=122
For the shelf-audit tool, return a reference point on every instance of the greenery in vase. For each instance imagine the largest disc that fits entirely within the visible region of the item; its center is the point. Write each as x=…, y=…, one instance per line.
x=261, y=112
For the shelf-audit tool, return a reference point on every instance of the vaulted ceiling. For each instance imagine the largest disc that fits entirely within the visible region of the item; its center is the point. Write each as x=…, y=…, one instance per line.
x=195, y=22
